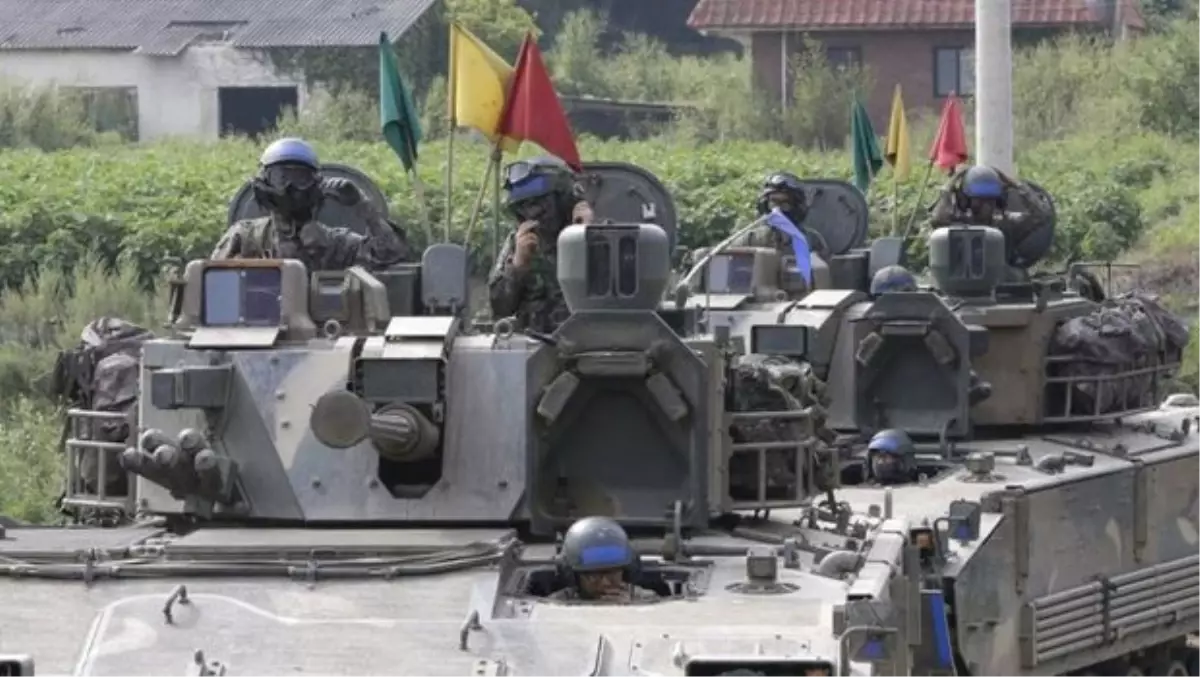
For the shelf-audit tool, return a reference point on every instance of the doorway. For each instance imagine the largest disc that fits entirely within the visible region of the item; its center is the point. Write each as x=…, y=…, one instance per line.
x=252, y=111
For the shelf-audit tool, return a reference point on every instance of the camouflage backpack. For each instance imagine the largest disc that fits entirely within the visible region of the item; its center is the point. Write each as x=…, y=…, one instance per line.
x=101, y=374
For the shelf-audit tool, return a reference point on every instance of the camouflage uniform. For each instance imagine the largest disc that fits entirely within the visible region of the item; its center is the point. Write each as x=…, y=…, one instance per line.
x=321, y=247
x=1016, y=226
x=629, y=595
x=772, y=383
x=531, y=295
x=289, y=186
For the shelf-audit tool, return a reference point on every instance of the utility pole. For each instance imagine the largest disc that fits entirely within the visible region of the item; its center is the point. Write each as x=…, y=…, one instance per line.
x=993, y=85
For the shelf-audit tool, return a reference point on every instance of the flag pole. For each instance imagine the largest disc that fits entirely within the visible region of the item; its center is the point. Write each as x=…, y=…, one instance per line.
x=419, y=190
x=492, y=165
x=452, y=85
x=449, y=181
x=917, y=207
x=497, y=155
x=895, y=201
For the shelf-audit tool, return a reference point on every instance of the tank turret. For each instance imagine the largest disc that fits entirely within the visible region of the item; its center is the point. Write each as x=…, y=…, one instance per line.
x=967, y=261
x=613, y=267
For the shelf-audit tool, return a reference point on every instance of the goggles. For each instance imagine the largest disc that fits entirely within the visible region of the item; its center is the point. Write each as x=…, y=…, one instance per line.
x=604, y=556
x=987, y=190
x=291, y=175
x=530, y=186
x=517, y=172
x=782, y=182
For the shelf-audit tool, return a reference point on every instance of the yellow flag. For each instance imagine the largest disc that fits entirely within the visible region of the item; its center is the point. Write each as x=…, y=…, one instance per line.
x=897, y=153
x=479, y=81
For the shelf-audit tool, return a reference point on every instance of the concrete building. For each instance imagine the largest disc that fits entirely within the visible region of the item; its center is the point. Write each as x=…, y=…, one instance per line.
x=923, y=45
x=194, y=68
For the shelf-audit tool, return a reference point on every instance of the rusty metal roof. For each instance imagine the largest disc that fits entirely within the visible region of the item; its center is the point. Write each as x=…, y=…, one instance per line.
x=167, y=27
x=896, y=14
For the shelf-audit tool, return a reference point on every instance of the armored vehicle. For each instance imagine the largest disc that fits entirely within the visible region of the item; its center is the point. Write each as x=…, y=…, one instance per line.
x=1036, y=411
x=329, y=485
x=733, y=285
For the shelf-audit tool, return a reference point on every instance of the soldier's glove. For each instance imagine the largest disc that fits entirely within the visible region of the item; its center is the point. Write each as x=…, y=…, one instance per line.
x=342, y=190
x=526, y=244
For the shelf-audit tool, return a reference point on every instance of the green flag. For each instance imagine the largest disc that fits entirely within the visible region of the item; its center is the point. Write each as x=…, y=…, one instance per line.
x=397, y=114
x=867, y=158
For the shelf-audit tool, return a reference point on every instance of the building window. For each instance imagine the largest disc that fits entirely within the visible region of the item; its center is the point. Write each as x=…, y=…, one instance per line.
x=953, y=71
x=109, y=109
x=844, y=58
x=252, y=111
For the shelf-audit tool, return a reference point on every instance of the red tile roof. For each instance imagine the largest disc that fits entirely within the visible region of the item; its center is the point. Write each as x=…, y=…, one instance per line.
x=892, y=14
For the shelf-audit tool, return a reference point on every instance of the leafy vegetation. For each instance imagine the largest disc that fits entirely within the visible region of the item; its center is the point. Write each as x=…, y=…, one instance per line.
x=1109, y=130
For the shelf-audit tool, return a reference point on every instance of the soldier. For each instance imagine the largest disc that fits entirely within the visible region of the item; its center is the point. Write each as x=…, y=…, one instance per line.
x=782, y=191
x=598, y=559
x=290, y=187
x=544, y=196
x=891, y=457
x=979, y=196
x=892, y=278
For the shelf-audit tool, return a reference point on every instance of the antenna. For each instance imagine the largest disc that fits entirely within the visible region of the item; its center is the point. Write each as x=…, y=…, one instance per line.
x=700, y=265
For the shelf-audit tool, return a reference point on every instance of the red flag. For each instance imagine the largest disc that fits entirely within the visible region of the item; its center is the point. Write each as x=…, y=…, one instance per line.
x=949, y=147
x=533, y=112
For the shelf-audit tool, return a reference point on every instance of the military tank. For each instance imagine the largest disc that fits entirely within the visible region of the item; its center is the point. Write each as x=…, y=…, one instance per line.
x=1041, y=417
x=738, y=286
x=338, y=474
x=729, y=285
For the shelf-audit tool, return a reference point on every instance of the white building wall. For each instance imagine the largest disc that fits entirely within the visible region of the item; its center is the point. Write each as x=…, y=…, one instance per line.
x=176, y=95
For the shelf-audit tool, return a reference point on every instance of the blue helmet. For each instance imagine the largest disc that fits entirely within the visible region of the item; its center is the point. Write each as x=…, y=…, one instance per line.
x=892, y=441
x=292, y=151
x=595, y=544
x=983, y=182
x=537, y=178
x=892, y=278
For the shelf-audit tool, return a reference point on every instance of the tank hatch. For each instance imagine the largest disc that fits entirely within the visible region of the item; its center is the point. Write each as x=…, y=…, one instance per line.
x=837, y=211
x=332, y=214
x=623, y=193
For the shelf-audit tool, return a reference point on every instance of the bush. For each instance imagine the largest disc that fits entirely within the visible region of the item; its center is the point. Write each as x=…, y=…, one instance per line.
x=30, y=471
x=37, y=321
x=47, y=118
x=145, y=204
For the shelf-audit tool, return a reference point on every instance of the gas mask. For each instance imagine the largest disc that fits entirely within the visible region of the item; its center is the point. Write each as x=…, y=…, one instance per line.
x=291, y=192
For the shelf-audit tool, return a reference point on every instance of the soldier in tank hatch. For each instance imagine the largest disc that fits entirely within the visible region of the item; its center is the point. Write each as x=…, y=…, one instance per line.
x=892, y=279
x=545, y=197
x=290, y=187
x=891, y=458
x=979, y=195
x=785, y=192
x=598, y=561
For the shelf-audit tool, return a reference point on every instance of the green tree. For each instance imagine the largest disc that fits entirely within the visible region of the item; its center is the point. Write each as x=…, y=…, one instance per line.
x=575, y=60
x=1160, y=13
